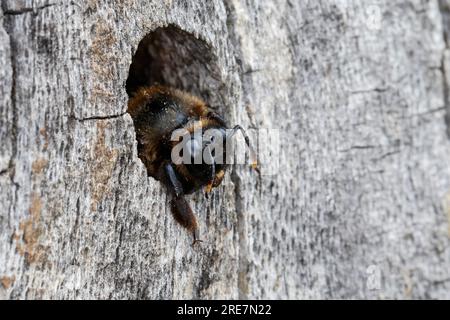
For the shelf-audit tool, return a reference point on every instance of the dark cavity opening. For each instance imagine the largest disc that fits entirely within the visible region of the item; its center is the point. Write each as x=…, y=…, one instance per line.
x=172, y=57
x=176, y=58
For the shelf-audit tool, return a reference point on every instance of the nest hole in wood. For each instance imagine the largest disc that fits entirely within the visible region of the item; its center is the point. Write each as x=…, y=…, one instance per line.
x=176, y=58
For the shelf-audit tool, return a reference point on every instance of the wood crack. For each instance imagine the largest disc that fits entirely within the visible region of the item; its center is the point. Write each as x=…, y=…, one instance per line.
x=243, y=261
x=445, y=14
x=94, y=118
x=13, y=96
x=12, y=12
x=241, y=229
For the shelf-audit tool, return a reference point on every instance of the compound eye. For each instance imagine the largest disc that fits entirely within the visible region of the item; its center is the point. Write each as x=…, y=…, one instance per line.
x=193, y=148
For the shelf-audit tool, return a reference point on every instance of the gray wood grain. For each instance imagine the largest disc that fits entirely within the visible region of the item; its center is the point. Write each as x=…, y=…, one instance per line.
x=358, y=208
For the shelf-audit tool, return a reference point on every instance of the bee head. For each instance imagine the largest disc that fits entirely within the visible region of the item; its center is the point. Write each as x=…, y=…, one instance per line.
x=202, y=152
x=206, y=152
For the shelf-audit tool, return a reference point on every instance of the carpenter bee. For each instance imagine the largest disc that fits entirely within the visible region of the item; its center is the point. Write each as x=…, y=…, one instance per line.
x=158, y=112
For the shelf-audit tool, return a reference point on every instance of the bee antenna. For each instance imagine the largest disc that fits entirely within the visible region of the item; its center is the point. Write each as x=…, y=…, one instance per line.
x=253, y=157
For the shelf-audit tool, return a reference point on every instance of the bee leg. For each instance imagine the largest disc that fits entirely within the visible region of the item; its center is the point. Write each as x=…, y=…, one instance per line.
x=196, y=239
x=210, y=159
x=218, y=179
x=180, y=208
x=208, y=189
x=171, y=181
x=183, y=214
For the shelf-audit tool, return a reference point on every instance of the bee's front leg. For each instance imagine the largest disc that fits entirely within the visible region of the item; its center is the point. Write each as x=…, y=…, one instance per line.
x=184, y=215
x=180, y=208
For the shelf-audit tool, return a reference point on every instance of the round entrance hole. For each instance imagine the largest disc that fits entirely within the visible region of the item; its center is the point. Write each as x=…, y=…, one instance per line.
x=176, y=58
x=172, y=57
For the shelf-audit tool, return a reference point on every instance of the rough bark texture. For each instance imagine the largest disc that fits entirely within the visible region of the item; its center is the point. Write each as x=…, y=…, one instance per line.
x=359, y=208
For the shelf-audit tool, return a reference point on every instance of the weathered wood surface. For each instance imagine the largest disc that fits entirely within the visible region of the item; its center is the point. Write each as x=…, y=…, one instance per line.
x=359, y=208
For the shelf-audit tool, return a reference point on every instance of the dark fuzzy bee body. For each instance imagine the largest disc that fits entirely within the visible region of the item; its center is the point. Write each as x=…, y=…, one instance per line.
x=158, y=111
